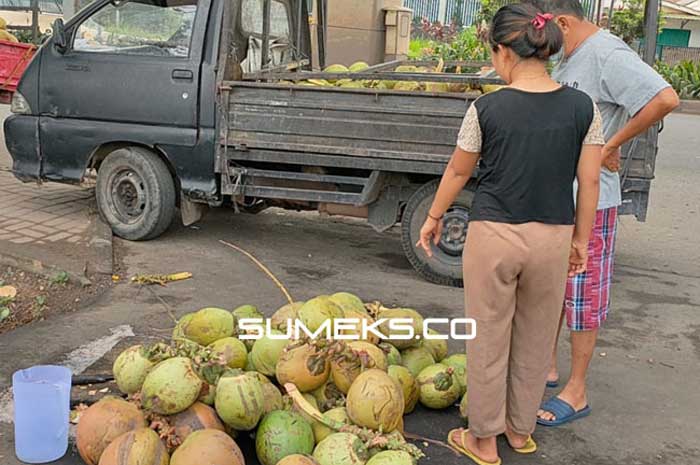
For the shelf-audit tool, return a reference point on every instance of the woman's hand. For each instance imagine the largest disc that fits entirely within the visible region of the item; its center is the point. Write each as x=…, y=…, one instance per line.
x=578, y=259
x=431, y=231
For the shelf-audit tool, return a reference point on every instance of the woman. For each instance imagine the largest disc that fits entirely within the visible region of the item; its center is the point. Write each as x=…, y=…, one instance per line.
x=533, y=138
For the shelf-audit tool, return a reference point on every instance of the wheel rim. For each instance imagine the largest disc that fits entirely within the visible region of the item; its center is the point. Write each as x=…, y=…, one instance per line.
x=129, y=196
x=454, y=231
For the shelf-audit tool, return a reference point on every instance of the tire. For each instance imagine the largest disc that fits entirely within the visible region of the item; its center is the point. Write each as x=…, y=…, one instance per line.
x=445, y=268
x=135, y=194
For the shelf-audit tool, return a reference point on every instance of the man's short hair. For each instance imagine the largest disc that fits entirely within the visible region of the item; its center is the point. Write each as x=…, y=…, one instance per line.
x=560, y=7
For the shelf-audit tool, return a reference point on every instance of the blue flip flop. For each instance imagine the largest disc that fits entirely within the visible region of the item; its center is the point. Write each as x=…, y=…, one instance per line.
x=563, y=411
x=553, y=384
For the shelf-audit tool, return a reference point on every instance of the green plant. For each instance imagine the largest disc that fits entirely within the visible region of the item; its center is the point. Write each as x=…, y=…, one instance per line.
x=628, y=23
x=4, y=313
x=683, y=77
x=466, y=47
x=60, y=278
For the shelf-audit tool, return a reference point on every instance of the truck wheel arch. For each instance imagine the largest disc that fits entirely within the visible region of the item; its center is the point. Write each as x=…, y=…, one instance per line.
x=100, y=153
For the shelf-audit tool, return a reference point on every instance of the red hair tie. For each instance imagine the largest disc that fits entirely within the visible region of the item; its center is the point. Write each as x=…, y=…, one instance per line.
x=540, y=20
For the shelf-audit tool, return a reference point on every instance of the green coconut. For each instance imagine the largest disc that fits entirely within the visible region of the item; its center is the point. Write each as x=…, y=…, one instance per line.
x=458, y=362
x=266, y=353
x=249, y=365
x=437, y=87
x=463, y=412
x=335, y=69
x=437, y=386
x=284, y=315
x=282, y=433
x=416, y=358
x=408, y=86
x=171, y=387
x=130, y=369
x=389, y=314
x=436, y=347
x=102, y=423
x=406, y=69
x=179, y=330
x=341, y=449
x=232, y=351
x=207, y=394
x=208, y=447
x=328, y=396
x=376, y=355
x=347, y=301
x=247, y=311
x=271, y=394
x=375, y=401
x=322, y=431
x=297, y=459
x=358, y=67
x=239, y=400
x=393, y=356
x=310, y=399
x=352, y=85
x=209, y=325
x=317, y=311
x=408, y=384
x=392, y=457
x=355, y=329
x=304, y=367
x=141, y=446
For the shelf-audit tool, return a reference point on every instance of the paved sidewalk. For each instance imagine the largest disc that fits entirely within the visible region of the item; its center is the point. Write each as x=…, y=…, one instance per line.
x=50, y=213
x=49, y=223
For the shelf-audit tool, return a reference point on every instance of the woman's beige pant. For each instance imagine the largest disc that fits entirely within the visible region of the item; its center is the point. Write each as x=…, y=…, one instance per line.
x=515, y=279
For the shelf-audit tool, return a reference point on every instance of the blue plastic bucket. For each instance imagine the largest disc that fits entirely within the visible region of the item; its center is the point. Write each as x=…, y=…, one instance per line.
x=42, y=409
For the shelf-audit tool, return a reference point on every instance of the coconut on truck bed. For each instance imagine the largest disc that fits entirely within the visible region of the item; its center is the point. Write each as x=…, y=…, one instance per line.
x=345, y=401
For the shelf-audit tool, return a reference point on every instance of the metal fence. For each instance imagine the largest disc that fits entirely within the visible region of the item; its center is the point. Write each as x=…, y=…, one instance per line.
x=465, y=12
x=674, y=55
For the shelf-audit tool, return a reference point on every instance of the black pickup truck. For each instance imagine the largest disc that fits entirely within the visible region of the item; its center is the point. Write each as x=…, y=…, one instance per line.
x=194, y=103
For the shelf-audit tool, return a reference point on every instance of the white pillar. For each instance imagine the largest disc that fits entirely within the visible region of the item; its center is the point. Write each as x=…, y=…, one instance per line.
x=442, y=12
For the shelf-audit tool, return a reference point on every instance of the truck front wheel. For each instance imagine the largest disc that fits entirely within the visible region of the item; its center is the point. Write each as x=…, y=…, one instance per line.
x=445, y=267
x=135, y=194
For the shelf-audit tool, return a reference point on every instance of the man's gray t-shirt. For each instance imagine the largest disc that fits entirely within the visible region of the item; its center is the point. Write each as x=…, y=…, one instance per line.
x=619, y=82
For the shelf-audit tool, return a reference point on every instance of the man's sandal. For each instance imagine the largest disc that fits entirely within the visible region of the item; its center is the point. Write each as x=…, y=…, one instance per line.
x=469, y=454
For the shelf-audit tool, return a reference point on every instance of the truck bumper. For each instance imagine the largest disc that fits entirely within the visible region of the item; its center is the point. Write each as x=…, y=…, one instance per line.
x=22, y=140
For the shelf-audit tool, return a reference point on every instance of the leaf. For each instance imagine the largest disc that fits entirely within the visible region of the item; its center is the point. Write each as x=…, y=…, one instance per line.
x=8, y=292
x=4, y=313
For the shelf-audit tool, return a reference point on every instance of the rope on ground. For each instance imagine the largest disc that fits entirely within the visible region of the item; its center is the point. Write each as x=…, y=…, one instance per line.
x=415, y=437
x=168, y=308
x=265, y=269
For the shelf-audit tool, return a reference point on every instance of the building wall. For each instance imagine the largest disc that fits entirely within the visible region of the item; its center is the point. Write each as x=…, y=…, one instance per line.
x=693, y=26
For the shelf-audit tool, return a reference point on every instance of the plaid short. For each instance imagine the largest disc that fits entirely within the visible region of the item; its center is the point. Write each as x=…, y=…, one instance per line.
x=587, y=300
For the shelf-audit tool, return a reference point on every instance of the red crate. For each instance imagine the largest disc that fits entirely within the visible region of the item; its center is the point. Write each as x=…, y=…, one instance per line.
x=14, y=58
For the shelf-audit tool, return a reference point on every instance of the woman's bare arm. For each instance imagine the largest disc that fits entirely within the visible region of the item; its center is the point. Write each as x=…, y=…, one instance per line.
x=588, y=175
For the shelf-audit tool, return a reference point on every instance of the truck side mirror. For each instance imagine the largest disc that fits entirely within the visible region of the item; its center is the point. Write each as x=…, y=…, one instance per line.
x=59, y=36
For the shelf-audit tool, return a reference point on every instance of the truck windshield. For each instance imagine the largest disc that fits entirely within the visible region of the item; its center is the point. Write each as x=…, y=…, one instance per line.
x=152, y=28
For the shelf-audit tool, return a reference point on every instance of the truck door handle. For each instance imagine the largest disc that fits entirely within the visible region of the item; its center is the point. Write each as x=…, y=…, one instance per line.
x=183, y=75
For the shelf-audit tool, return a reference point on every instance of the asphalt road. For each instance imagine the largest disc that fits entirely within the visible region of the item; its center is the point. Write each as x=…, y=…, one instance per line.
x=644, y=375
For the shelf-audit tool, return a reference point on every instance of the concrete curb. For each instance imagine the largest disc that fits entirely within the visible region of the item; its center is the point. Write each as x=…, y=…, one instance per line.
x=38, y=267
x=689, y=107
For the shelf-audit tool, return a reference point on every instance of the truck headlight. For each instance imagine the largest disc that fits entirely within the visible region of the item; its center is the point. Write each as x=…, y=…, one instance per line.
x=19, y=104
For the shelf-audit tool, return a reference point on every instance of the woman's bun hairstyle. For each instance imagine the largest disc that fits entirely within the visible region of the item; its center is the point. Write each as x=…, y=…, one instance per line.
x=525, y=29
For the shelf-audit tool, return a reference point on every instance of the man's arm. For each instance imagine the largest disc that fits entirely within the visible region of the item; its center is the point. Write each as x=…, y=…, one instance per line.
x=661, y=105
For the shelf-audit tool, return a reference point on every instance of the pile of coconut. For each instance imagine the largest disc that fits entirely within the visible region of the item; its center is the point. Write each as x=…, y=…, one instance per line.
x=306, y=401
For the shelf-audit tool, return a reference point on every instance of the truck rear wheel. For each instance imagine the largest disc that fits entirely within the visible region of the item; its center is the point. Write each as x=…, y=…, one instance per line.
x=445, y=267
x=135, y=194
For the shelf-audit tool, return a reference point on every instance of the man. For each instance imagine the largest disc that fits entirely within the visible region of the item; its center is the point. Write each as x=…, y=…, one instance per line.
x=631, y=97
